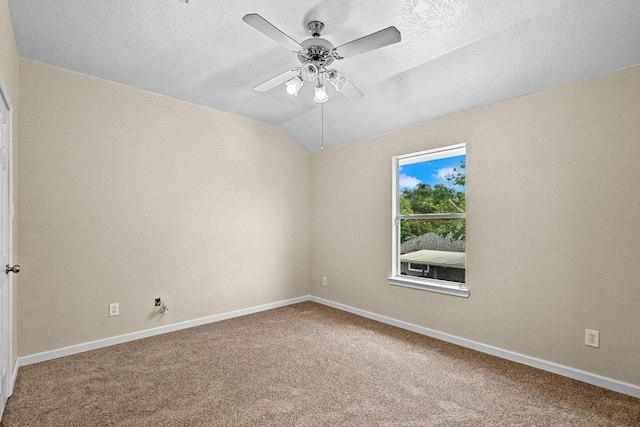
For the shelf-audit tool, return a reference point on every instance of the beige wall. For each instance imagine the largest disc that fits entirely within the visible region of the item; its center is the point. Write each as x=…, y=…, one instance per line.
x=9, y=71
x=553, y=237
x=126, y=195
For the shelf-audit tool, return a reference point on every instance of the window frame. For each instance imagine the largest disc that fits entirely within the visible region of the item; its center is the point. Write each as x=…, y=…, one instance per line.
x=423, y=283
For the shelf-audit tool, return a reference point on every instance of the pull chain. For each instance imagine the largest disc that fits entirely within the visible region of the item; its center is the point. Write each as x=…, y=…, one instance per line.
x=322, y=126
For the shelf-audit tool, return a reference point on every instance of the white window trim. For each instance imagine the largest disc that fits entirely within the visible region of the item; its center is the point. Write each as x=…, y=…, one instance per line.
x=396, y=279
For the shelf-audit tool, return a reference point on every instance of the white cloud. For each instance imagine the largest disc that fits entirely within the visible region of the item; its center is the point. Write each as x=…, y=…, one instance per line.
x=441, y=174
x=408, y=181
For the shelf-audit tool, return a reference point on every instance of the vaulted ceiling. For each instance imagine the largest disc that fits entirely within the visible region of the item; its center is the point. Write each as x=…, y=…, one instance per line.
x=455, y=55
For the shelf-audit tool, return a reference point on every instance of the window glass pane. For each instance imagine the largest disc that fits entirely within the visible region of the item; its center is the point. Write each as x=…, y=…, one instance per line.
x=433, y=248
x=435, y=186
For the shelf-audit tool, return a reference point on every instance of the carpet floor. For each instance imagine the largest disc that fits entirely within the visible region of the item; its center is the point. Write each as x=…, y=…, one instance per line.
x=303, y=365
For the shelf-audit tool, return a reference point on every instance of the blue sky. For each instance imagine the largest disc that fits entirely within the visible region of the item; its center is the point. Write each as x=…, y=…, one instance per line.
x=432, y=172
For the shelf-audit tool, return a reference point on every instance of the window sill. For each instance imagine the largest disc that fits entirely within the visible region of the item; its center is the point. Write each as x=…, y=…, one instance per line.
x=431, y=286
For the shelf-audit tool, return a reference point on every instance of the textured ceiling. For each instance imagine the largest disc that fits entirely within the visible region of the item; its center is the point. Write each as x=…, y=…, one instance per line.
x=454, y=55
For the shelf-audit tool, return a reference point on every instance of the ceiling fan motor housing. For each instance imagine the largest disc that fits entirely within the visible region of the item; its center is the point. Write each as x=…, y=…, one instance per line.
x=316, y=51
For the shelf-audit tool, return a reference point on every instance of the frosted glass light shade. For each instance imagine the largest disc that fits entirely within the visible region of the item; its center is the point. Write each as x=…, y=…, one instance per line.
x=294, y=85
x=337, y=80
x=320, y=94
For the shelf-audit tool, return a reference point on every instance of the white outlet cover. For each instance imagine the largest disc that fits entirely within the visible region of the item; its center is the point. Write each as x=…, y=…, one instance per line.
x=114, y=309
x=591, y=338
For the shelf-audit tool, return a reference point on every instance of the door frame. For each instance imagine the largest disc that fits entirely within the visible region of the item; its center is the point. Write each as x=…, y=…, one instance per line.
x=11, y=374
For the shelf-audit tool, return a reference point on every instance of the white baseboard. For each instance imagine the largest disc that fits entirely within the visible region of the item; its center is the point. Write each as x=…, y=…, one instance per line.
x=106, y=342
x=576, y=374
x=566, y=371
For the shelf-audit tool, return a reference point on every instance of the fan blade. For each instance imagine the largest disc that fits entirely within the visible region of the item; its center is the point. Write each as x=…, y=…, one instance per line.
x=269, y=30
x=373, y=41
x=351, y=92
x=277, y=80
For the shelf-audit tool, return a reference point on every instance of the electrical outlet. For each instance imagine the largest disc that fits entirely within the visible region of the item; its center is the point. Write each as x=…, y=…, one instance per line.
x=324, y=281
x=591, y=338
x=114, y=309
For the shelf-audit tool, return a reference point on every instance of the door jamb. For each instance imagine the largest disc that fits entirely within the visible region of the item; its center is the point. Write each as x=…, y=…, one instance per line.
x=12, y=373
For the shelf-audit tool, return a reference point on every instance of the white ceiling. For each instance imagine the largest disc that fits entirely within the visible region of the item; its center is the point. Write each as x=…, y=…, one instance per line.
x=454, y=55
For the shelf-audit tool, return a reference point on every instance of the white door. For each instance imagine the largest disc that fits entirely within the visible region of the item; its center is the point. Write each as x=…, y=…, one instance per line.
x=5, y=247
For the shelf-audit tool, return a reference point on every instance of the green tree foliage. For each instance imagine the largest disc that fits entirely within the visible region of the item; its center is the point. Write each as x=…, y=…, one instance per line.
x=440, y=198
x=458, y=177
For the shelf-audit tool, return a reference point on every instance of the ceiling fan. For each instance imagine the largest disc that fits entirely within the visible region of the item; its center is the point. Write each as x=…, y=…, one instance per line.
x=316, y=55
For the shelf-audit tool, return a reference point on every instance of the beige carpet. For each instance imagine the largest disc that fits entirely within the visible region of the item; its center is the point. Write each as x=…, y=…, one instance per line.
x=303, y=365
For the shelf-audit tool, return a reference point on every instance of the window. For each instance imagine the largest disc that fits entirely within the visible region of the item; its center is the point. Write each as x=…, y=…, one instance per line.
x=429, y=220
